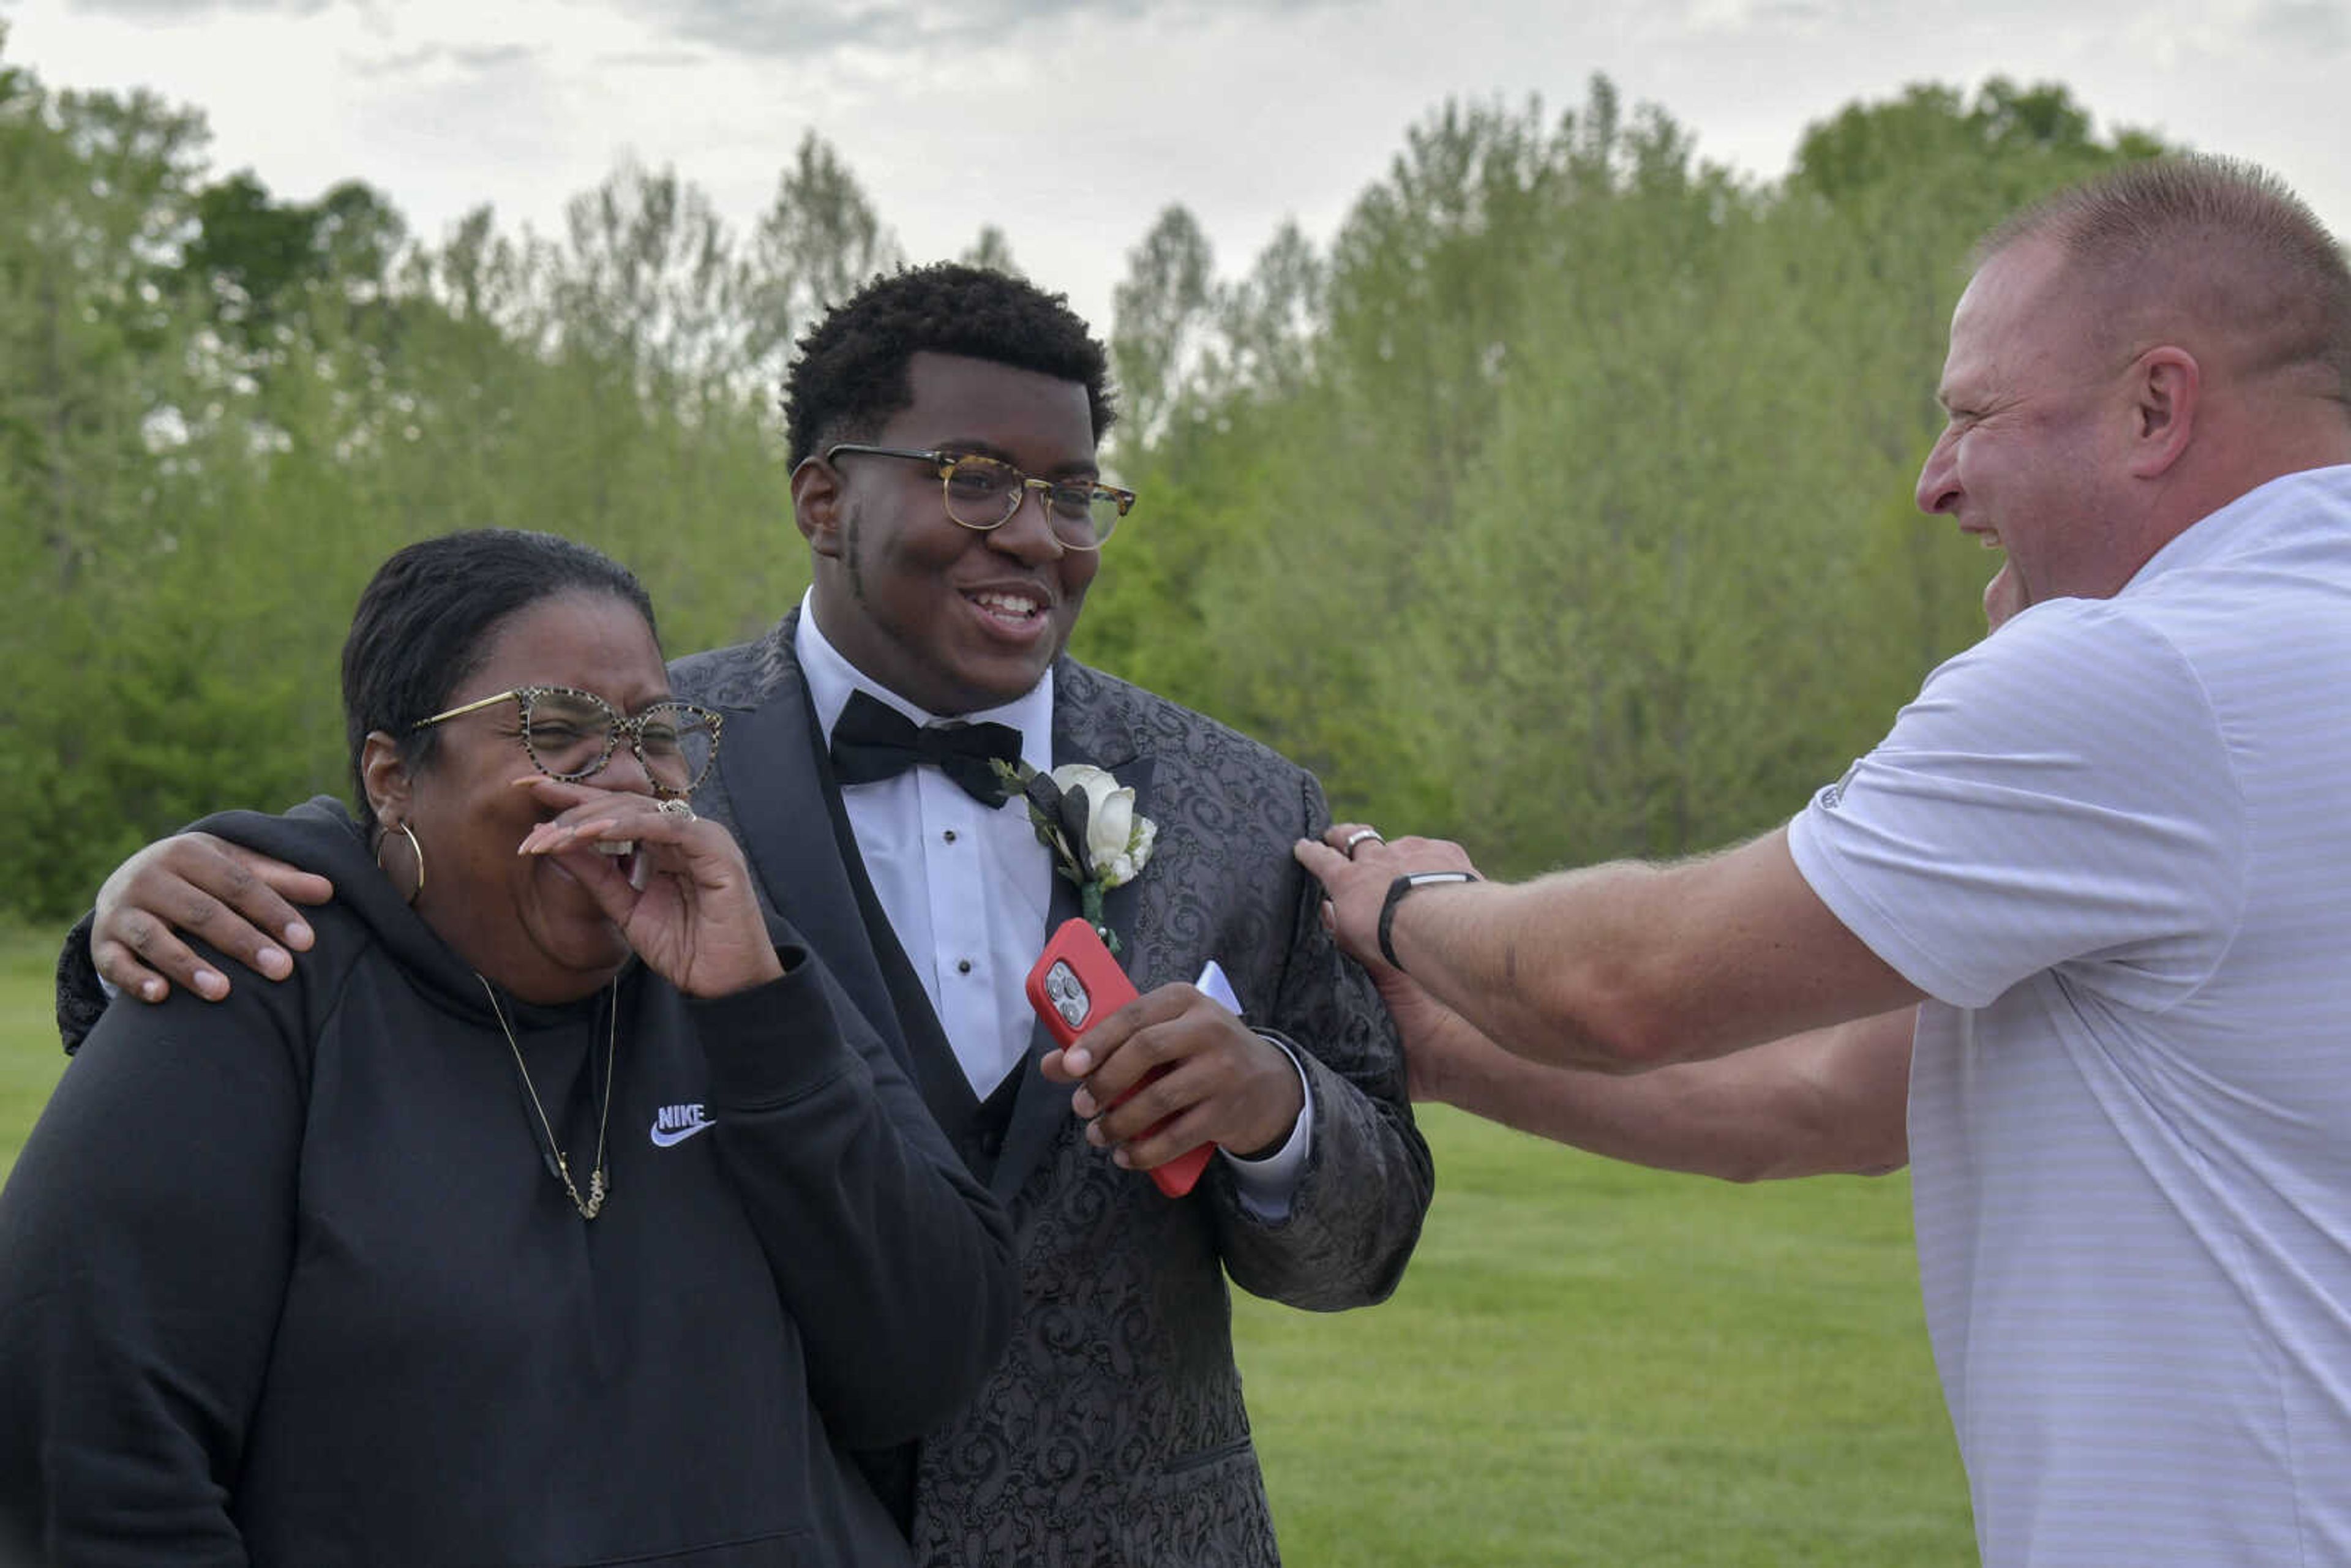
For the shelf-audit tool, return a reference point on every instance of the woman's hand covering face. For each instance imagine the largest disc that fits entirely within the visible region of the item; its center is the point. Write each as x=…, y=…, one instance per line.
x=676, y=885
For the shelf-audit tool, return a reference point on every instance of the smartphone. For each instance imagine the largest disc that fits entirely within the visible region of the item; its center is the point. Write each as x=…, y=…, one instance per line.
x=1076, y=982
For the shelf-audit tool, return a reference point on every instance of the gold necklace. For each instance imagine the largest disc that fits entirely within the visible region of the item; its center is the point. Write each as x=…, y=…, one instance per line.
x=594, y=1202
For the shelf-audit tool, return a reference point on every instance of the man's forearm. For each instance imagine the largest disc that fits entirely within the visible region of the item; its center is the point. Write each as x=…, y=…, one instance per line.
x=1532, y=967
x=1831, y=1101
x=1625, y=966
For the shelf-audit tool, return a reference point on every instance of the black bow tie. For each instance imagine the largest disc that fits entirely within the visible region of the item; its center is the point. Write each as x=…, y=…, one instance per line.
x=874, y=741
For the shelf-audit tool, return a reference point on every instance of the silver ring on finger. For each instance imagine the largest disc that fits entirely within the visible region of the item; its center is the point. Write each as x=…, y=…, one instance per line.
x=676, y=808
x=1357, y=837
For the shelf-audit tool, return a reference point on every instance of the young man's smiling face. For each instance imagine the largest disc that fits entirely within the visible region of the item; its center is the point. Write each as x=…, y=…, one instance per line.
x=950, y=618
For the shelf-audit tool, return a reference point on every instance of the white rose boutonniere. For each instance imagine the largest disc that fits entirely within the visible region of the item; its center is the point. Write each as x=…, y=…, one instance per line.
x=1118, y=839
x=1088, y=820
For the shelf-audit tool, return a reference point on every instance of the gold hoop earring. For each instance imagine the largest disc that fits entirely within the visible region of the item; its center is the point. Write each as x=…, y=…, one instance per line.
x=414, y=848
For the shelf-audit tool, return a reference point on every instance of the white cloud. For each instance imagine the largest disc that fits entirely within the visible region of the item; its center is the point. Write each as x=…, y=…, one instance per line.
x=802, y=28
x=190, y=10
x=1070, y=125
x=2320, y=27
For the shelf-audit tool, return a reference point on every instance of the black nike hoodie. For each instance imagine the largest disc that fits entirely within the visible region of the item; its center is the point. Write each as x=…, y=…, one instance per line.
x=289, y=1278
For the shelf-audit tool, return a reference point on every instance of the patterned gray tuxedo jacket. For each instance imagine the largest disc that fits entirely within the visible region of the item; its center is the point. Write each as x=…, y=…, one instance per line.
x=1114, y=1432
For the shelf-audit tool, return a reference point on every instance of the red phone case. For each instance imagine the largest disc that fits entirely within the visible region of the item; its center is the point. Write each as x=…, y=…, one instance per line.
x=1075, y=982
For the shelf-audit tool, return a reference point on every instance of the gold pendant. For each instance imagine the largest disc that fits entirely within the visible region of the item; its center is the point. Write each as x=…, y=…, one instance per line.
x=588, y=1210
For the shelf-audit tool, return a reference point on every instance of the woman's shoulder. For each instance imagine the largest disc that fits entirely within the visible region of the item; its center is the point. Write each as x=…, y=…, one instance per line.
x=323, y=837
x=363, y=925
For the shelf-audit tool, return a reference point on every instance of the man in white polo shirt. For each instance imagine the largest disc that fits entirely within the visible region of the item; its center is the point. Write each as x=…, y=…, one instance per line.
x=2087, y=908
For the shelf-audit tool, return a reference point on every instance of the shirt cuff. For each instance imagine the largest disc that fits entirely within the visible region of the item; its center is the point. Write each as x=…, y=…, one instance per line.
x=1265, y=1186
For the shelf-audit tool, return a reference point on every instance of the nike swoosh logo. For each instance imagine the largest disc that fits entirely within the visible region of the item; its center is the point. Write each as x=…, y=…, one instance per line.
x=684, y=1127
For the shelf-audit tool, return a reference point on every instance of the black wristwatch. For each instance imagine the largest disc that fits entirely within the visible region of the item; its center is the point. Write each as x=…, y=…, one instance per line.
x=1396, y=890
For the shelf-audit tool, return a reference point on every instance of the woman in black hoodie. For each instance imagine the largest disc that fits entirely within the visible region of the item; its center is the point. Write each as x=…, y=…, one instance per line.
x=548, y=1215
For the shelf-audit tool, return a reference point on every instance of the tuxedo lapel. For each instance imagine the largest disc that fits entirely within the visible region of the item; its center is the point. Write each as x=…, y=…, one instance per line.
x=1040, y=1110
x=785, y=822
x=929, y=1055
x=1039, y=1106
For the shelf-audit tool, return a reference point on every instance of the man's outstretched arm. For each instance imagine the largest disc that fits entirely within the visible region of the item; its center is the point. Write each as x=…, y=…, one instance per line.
x=1833, y=1101
x=1620, y=968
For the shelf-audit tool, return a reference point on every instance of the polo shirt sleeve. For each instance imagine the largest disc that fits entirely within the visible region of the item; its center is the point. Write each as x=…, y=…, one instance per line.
x=2059, y=797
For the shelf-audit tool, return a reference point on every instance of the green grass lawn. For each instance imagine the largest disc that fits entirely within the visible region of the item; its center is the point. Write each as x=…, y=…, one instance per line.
x=29, y=1057
x=1587, y=1365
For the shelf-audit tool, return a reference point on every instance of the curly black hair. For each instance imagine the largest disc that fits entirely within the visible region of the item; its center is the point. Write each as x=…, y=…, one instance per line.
x=850, y=374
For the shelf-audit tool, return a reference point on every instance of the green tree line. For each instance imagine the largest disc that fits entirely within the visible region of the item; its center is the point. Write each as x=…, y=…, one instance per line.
x=1560, y=505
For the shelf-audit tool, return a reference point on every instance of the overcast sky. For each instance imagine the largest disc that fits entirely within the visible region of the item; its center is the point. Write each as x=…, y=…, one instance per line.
x=1070, y=123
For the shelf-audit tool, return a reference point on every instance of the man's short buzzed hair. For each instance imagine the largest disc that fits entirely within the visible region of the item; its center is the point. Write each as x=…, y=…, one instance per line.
x=2208, y=240
x=850, y=374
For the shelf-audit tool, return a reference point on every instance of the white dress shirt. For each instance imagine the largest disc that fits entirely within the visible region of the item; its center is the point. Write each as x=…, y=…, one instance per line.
x=969, y=890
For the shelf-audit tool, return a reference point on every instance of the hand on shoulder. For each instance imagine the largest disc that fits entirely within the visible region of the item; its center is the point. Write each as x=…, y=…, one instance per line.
x=238, y=901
